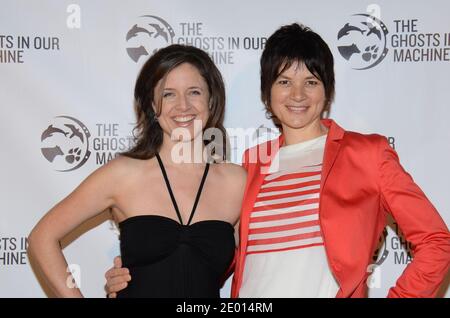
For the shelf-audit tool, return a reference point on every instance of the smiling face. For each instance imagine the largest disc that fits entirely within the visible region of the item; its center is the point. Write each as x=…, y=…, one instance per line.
x=183, y=98
x=297, y=99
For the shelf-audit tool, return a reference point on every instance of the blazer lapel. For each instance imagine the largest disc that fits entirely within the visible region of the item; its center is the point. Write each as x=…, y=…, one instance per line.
x=333, y=144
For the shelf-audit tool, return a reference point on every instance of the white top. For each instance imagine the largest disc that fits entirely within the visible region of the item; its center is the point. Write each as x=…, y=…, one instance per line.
x=285, y=253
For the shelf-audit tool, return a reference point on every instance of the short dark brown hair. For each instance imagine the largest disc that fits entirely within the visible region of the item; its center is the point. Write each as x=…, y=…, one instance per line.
x=148, y=134
x=288, y=45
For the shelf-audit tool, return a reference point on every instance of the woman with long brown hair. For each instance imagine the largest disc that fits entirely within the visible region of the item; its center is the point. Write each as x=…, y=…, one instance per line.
x=175, y=205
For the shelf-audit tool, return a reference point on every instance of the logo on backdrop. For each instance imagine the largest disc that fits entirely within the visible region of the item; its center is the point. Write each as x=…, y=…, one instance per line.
x=362, y=41
x=65, y=143
x=148, y=33
x=381, y=253
x=390, y=244
x=400, y=246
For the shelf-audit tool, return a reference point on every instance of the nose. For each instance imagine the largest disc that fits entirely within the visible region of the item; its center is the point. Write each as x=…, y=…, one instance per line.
x=183, y=103
x=297, y=92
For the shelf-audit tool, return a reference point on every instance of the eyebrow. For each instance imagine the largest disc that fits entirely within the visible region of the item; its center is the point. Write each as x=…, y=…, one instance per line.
x=191, y=87
x=306, y=78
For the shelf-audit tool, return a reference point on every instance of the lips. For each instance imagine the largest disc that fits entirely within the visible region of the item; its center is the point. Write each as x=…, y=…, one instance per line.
x=297, y=109
x=184, y=120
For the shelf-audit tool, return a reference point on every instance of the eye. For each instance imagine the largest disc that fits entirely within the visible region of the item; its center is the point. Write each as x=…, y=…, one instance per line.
x=196, y=92
x=168, y=94
x=283, y=82
x=312, y=83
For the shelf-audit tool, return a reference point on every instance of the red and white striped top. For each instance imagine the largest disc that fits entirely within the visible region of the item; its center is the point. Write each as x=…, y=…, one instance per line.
x=286, y=212
x=285, y=252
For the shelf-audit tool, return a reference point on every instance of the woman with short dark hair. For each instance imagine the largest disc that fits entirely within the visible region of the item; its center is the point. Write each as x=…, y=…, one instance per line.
x=313, y=215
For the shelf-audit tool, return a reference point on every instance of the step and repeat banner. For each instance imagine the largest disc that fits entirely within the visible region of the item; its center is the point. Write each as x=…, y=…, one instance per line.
x=68, y=69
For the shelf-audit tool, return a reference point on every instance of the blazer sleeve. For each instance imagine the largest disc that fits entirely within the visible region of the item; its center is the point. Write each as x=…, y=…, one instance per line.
x=421, y=224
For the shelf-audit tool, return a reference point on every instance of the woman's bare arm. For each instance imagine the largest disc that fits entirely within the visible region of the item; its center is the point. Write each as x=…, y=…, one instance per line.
x=91, y=197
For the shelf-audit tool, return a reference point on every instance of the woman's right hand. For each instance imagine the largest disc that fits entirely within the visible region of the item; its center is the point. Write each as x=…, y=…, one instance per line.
x=117, y=278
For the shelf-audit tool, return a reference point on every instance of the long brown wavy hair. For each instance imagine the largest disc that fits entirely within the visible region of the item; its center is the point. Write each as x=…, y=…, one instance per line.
x=148, y=135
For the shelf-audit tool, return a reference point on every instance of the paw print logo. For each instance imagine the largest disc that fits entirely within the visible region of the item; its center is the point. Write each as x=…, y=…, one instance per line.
x=65, y=143
x=362, y=41
x=74, y=154
x=370, y=53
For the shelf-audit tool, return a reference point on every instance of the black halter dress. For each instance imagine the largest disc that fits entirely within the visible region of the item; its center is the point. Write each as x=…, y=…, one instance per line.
x=170, y=259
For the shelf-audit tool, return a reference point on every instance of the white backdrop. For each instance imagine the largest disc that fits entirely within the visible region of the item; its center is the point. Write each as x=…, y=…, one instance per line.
x=80, y=60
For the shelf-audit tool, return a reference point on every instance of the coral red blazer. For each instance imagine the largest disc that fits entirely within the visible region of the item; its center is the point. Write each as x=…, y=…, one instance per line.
x=362, y=181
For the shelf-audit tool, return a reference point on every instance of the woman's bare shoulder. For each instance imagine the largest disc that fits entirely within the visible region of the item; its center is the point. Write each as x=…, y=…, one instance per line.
x=233, y=172
x=123, y=168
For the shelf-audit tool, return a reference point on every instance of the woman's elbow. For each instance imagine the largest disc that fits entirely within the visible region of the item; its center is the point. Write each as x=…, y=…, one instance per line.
x=32, y=241
x=40, y=237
